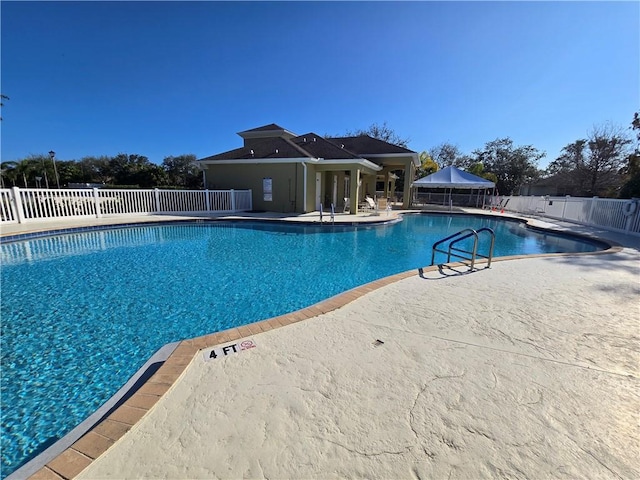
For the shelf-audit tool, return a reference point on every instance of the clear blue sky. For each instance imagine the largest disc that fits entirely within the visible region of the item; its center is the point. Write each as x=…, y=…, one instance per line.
x=167, y=78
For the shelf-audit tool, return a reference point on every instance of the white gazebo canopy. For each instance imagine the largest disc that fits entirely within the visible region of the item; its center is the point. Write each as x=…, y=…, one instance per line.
x=452, y=177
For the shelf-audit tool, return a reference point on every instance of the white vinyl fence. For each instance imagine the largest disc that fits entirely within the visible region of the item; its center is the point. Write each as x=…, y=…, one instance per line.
x=19, y=205
x=608, y=213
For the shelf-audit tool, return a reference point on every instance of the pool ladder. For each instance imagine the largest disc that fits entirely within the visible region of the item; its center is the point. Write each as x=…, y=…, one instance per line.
x=465, y=255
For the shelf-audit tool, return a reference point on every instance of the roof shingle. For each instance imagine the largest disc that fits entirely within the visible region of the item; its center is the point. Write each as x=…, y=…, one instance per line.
x=284, y=144
x=364, y=144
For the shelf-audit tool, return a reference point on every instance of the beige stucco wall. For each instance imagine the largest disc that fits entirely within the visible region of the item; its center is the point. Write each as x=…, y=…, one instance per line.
x=287, y=194
x=288, y=179
x=287, y=184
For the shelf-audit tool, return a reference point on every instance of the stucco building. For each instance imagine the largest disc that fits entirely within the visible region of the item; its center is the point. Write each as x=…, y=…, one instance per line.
x=298, y=173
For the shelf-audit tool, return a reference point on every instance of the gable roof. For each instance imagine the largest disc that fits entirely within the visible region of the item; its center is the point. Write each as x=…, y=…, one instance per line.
x=452, y=177
x=320, y=147
x=266, y=131
x=264, y=128
x=272, y=147
x=274, y=142
x=364, y=144
x=309, y=145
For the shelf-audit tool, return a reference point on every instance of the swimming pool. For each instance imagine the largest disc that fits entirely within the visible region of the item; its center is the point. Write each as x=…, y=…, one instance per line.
x=82, y=312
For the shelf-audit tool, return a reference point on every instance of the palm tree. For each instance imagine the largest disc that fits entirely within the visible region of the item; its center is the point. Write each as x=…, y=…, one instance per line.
x=8, y=171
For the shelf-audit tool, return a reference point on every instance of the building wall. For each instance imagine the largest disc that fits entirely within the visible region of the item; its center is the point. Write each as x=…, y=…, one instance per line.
x=286, y=181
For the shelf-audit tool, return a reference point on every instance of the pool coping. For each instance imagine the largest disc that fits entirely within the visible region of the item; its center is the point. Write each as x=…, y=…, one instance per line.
x=74, y=452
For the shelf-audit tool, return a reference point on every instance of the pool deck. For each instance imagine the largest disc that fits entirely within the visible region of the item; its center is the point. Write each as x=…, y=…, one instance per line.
x=529, y=369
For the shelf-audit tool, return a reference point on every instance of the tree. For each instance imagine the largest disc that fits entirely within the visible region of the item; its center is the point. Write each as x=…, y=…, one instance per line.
x=381, y=132
x=427, y=165
x=134, y=169
x=95, y=170
x=572, y=157
x=594, y=165
x=513, y=166
x=447, y=154
x=608, y=149
x=635, y=125
x=386, y=134
x=8, y=174
x=571, y=166
x=25, y=172
x=69, y=171
x=182, y=171
x=477, y=169
x=632, y=186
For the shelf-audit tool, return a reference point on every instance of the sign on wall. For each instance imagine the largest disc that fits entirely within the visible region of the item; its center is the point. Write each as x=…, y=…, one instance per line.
x=267, y=184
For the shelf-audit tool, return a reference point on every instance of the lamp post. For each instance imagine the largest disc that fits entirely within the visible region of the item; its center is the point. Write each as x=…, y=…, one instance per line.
x=44, y=172
x=52, y=155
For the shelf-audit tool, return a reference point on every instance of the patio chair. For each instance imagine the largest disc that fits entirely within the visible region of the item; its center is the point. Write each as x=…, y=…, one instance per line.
x=384, y=204
x=347, y=205
x=369, y=204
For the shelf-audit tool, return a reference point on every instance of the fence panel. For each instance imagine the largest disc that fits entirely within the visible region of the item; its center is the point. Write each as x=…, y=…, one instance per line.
x=609, y=213
x=243, y=201
x=220, y=200
x=42, y=203
x=28, y=204
x=182, y=201
x=8, y=212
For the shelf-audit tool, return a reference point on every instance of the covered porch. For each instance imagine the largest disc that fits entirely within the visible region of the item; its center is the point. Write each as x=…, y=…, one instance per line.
x=345, y=184
x=398, y=170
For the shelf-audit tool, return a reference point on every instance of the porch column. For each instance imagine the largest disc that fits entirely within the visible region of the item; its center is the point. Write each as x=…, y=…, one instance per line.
x=409, y=173
x=370, y=184
x=354, y=190
x=387, y=174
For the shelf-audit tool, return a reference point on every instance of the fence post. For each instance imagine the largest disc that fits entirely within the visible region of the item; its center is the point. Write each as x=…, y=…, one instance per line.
x=17, y=202
x=156, y=193
x=250, y=199
x=594, y=200
x=96, y=199
x=631, y=218
x=233, y=200
x=564, y=207
x=207, y=199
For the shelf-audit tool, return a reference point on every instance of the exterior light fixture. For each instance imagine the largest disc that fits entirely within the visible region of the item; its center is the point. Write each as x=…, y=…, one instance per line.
x=52, y=156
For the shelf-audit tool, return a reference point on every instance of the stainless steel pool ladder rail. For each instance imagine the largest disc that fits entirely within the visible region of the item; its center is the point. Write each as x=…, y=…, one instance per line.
x=458, y=237
x=333, y=215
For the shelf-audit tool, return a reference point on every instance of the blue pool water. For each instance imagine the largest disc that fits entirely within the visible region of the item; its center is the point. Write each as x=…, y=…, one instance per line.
x=82, y=312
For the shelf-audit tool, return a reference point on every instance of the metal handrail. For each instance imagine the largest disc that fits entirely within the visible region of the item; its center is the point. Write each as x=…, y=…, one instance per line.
x=457, y=252
x=435, y=245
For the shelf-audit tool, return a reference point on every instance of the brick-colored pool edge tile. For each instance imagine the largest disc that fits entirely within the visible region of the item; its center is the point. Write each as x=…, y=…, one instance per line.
x=103, y=435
